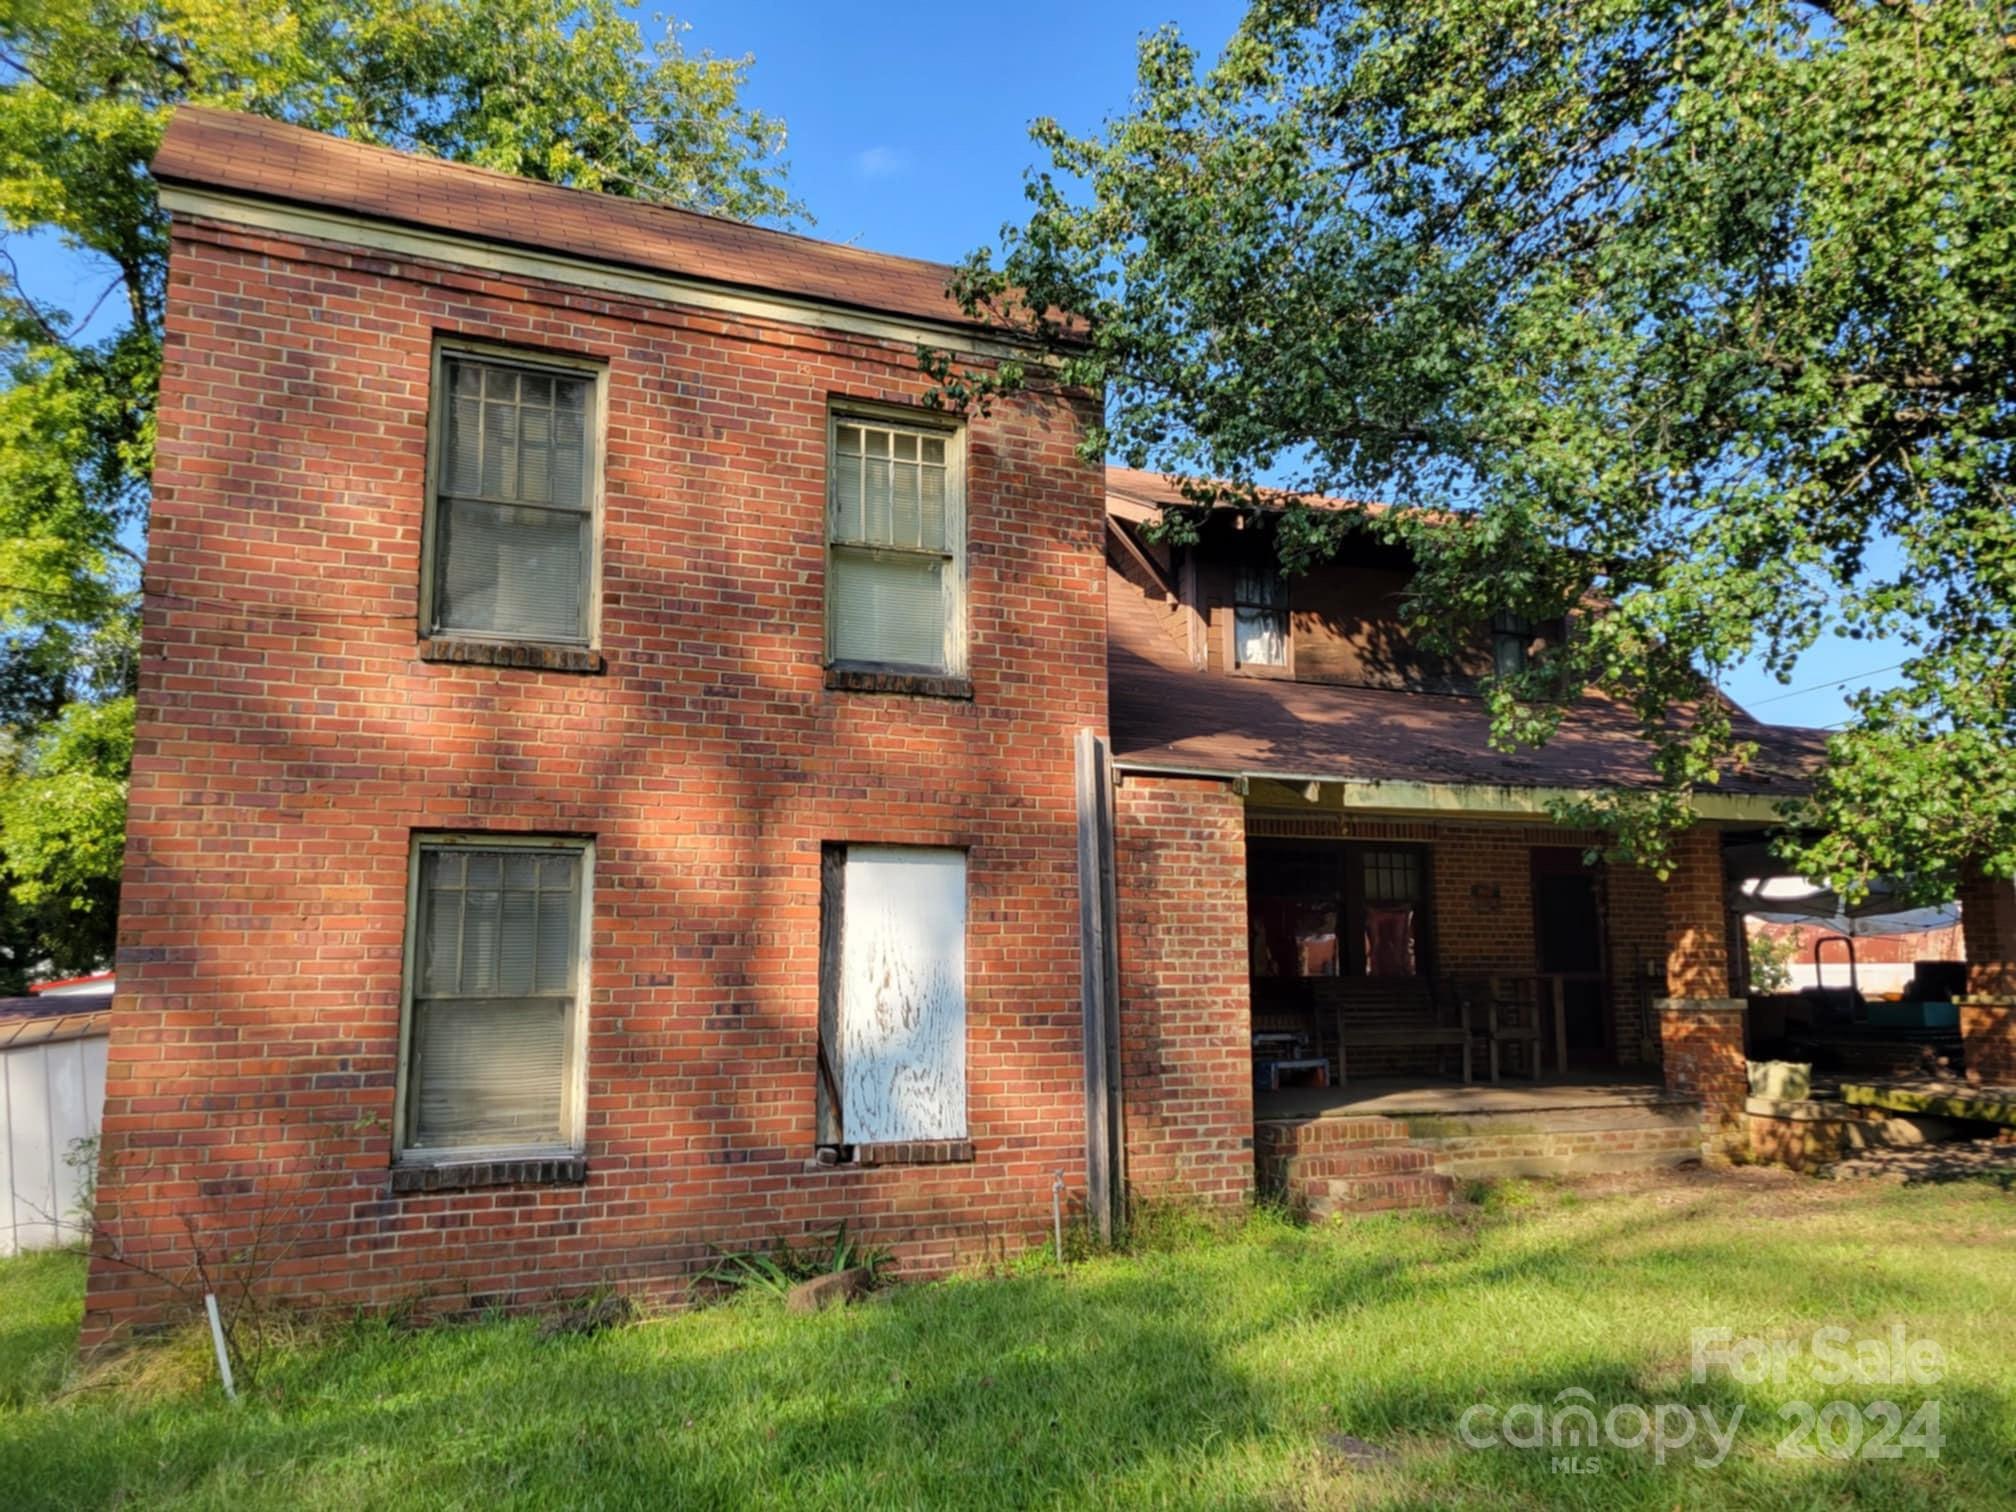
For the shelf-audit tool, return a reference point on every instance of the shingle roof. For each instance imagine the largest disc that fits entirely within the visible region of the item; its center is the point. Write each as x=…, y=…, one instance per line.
x=1165, y=713
x=266, y=159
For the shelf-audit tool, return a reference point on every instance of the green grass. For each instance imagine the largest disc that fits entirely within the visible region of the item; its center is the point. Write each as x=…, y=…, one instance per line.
x=1208, y=1373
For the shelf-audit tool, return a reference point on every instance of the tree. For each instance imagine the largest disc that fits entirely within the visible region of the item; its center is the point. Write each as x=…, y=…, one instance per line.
x=560, y=90
x=1703, y=313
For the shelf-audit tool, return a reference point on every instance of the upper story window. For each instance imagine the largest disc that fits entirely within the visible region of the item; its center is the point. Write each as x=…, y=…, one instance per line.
x=494, y=984
x=1510, y=634
x=511, y=527
x=1260, y=616
x=896, y=535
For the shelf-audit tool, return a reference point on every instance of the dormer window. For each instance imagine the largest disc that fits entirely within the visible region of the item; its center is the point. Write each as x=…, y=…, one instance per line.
x=1510, y=635
x=1260, y=617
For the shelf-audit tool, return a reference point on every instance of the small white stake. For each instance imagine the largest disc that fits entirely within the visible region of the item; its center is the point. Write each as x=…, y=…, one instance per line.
x=1057, y=1214
x=217, y=1338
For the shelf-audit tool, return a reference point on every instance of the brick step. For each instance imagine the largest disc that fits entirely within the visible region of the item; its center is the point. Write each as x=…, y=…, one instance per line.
x=1373, y=1160
x=1313, y=1134
x=1329, y=1196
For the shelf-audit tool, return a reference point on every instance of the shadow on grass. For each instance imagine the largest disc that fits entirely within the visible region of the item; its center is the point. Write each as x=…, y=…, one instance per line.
x=1204, y=1376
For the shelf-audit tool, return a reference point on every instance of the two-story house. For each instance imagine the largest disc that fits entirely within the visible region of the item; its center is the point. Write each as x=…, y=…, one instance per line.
x=620, y=776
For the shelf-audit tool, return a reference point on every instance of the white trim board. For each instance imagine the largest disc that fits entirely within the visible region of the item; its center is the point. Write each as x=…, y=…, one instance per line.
x=372, y=235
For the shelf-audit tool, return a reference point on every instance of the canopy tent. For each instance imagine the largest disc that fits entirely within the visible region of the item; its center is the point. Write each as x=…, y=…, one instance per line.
x=1794, y=900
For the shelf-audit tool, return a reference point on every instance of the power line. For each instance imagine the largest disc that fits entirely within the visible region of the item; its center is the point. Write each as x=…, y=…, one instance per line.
x=1819, y=687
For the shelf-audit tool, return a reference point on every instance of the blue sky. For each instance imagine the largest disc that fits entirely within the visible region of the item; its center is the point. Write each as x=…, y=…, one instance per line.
x=909, y=133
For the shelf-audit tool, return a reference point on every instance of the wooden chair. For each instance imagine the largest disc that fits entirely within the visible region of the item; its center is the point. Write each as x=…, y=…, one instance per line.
x=1495, y=1011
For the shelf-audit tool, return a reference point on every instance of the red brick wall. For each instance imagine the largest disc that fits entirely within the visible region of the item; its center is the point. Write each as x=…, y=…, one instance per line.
x=1988, y=1040
x=1697, y=917
x=1186, y=1032
x=1703, y=1053
x=290, y=743
x=1988, y=929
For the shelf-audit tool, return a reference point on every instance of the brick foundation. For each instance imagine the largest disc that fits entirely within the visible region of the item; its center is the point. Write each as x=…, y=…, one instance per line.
x=1701, y=1041
x=1185, y=1024
x=1988, y=1039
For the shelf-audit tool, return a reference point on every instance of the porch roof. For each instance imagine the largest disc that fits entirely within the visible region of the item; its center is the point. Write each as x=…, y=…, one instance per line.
x=1166, y=715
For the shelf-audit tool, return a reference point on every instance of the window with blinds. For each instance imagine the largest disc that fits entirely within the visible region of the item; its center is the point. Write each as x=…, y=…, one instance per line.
x=896, y=524
x=495, y=987
x=513, y=524
x=1260, y=617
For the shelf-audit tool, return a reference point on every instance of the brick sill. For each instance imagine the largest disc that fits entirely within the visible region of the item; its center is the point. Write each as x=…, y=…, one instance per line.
x=915, y=1152
x=476, y=653
x=917, y=684
x=463, y=1175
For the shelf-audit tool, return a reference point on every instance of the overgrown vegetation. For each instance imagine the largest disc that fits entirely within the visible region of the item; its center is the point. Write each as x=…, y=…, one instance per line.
x=1705, y=313
x=776, y=1270
x=1233, y=1369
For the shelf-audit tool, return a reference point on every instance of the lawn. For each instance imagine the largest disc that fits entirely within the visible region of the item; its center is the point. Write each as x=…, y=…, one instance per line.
x=1272, y=1365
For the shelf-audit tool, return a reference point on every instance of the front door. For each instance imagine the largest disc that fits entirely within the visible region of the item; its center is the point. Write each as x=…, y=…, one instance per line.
x=1568, y=923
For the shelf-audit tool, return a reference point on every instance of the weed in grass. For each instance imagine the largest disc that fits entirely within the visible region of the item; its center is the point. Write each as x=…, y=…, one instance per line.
x=776, y=1270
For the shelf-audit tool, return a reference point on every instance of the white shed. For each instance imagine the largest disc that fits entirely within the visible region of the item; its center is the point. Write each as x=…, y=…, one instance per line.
x=52, y=1096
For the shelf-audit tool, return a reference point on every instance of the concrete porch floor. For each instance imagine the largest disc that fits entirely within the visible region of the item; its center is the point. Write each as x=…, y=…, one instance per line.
x=1423, y=1097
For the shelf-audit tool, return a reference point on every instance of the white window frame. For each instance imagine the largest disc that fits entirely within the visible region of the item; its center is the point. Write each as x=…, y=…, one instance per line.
x=896, y=417
x=573, y=1076
x=563, y=366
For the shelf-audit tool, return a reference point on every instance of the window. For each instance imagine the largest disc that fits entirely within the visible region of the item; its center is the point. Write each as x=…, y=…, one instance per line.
x=1391, y=904
x=1509, y=636
x=1260, y=617
x=896, y=546
x=511, y=533
x=892, y=1013
x=493, y=1024
x=1324, y=909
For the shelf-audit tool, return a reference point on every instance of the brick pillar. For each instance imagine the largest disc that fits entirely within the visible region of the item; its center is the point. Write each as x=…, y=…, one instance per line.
x=1186, y=1047
x=1697, y=918
x=1988, y=1012
x=1700, y=1024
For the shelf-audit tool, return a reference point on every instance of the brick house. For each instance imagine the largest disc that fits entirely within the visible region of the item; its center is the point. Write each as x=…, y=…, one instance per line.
x=618, y=776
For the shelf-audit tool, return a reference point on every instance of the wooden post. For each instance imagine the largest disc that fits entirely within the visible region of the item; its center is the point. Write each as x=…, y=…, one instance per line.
x=1105, y=1176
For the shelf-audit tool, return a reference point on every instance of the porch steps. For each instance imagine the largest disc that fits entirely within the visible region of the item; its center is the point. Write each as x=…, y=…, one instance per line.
x=1642, y=1135
x=1327, y=1166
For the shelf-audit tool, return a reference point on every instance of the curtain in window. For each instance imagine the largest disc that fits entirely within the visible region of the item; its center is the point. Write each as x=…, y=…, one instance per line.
x=1393, y=893
x=514, y=530
x=892, y=534
x=494, y=994
x=1260, y=618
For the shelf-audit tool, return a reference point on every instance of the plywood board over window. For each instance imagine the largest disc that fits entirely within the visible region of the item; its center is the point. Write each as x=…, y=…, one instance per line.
x=893, y=1015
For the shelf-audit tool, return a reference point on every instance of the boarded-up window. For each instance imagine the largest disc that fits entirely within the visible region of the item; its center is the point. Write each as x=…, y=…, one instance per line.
x=513, y=527
x=893, y=1010
x=896, y=521
x=495, y=989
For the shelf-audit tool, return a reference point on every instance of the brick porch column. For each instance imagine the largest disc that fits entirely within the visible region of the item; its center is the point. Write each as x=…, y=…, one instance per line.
x=1988, y=1012
x=1186, y=1047
x=1700, y=1023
